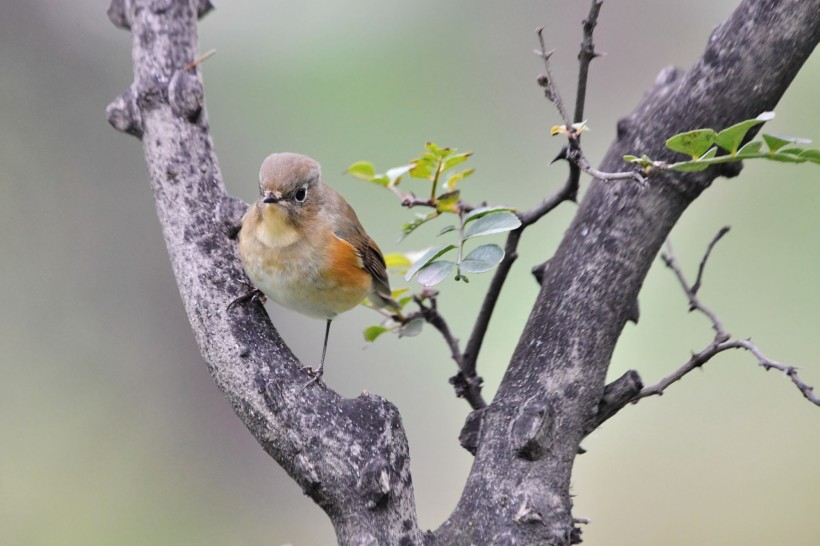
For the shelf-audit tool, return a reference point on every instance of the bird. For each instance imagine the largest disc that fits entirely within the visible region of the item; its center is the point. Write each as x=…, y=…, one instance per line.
x=302, y=245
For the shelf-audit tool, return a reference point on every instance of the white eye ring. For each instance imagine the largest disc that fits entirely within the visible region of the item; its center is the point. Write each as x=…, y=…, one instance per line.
x=300, y=195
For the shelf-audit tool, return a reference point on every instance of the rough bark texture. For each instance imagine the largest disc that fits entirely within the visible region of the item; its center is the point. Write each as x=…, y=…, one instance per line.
x=351, y=456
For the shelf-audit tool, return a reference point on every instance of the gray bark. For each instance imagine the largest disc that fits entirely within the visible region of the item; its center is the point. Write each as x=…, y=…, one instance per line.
x=351, y=456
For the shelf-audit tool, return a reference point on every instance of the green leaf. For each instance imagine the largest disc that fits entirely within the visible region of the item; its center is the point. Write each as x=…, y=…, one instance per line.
x=482, y=258
x=694, y=143
x=454, y=179
x=750, y=148
x=730, y=138
x=381, y=180
x=423, y=168
x=362, y=169
x=448, y=202
x=426, y=258
x=643, y=161
x=372, y=332
x=700, y=164
x=410, y=227
x=435, y=272
x=396, y=259
x=494, y=222
x=689, y=166
x=710, y=153
x=775, y=142
x=811, y=155
x=412, y=328
x=446, y=229
x=477, y=213
x=454, y=160
x=785, y=156
x=433, y=148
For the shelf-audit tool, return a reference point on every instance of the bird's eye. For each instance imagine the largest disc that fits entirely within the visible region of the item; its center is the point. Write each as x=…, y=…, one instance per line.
x=300, y=195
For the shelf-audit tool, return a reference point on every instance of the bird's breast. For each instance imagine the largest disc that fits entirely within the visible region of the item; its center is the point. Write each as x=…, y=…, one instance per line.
x=316, y=274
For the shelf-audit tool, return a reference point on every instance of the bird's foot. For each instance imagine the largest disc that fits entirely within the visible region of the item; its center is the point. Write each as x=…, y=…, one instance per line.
x=253, y=294
x=315, y=376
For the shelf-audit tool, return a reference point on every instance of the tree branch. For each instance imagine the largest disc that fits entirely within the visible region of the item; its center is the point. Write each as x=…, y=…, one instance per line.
x=722, y=341
x=568, y=192
x=350, y=456
x=554, y=384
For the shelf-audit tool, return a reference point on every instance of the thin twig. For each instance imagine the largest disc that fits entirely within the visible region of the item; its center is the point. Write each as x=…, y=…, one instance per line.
x=695, y=287
x=722, y=341
x=585, y=56
x=466, y=382
x=576, y=156
x=568, y=192
x=546, y=81
x=671, y=262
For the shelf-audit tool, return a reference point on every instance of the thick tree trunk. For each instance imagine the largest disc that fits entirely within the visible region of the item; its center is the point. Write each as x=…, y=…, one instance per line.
x=351, y=456
x=555, y=379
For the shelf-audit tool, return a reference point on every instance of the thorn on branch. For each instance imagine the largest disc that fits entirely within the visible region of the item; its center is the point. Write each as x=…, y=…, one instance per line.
x=722, y=341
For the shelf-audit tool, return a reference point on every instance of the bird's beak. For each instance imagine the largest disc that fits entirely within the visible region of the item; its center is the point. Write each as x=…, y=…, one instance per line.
x=270, y=197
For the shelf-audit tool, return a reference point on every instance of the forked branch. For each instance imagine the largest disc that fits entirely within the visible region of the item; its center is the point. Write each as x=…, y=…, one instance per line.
x=723, y=340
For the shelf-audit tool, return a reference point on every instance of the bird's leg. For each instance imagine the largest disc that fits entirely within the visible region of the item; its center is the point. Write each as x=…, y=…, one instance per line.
x=316, y=374
x=253, y=294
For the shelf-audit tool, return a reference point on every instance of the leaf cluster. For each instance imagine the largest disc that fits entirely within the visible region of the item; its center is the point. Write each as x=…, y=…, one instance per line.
x=437, y=167
x=704, y=145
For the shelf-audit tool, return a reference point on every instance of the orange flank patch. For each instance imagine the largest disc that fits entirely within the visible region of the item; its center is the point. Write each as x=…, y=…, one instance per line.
x=345, y=266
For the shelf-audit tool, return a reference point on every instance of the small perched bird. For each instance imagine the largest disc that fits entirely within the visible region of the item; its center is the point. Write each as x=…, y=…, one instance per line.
x=303, y=246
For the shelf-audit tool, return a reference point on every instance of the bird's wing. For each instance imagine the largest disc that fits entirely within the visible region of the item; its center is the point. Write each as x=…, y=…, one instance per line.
x=372, y=260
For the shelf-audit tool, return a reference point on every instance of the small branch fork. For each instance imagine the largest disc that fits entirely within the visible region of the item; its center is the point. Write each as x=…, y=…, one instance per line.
x=572, y=151
x=723, y=340
x=466, y=382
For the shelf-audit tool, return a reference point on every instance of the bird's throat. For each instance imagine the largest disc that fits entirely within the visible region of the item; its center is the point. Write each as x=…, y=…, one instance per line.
x=275, y=230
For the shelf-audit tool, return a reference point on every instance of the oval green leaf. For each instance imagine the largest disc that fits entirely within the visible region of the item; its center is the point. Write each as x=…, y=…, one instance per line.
x=775, y=142
x=372, y=332
x=412, y=328
x=750, y=148
x=811, y=154
x=435, y=272
x=482, y=259
x=730, y=138
x=362, y=169
x=426, y=258
x=493, y=222
x=477, y=213
x=694, y=143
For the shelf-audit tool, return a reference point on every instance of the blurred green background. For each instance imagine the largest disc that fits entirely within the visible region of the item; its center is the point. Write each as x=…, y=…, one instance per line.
x=111, y=430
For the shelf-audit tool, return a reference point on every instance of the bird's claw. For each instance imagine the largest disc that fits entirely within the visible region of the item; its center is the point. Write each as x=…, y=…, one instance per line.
x=315, y=376
x=253, y=294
